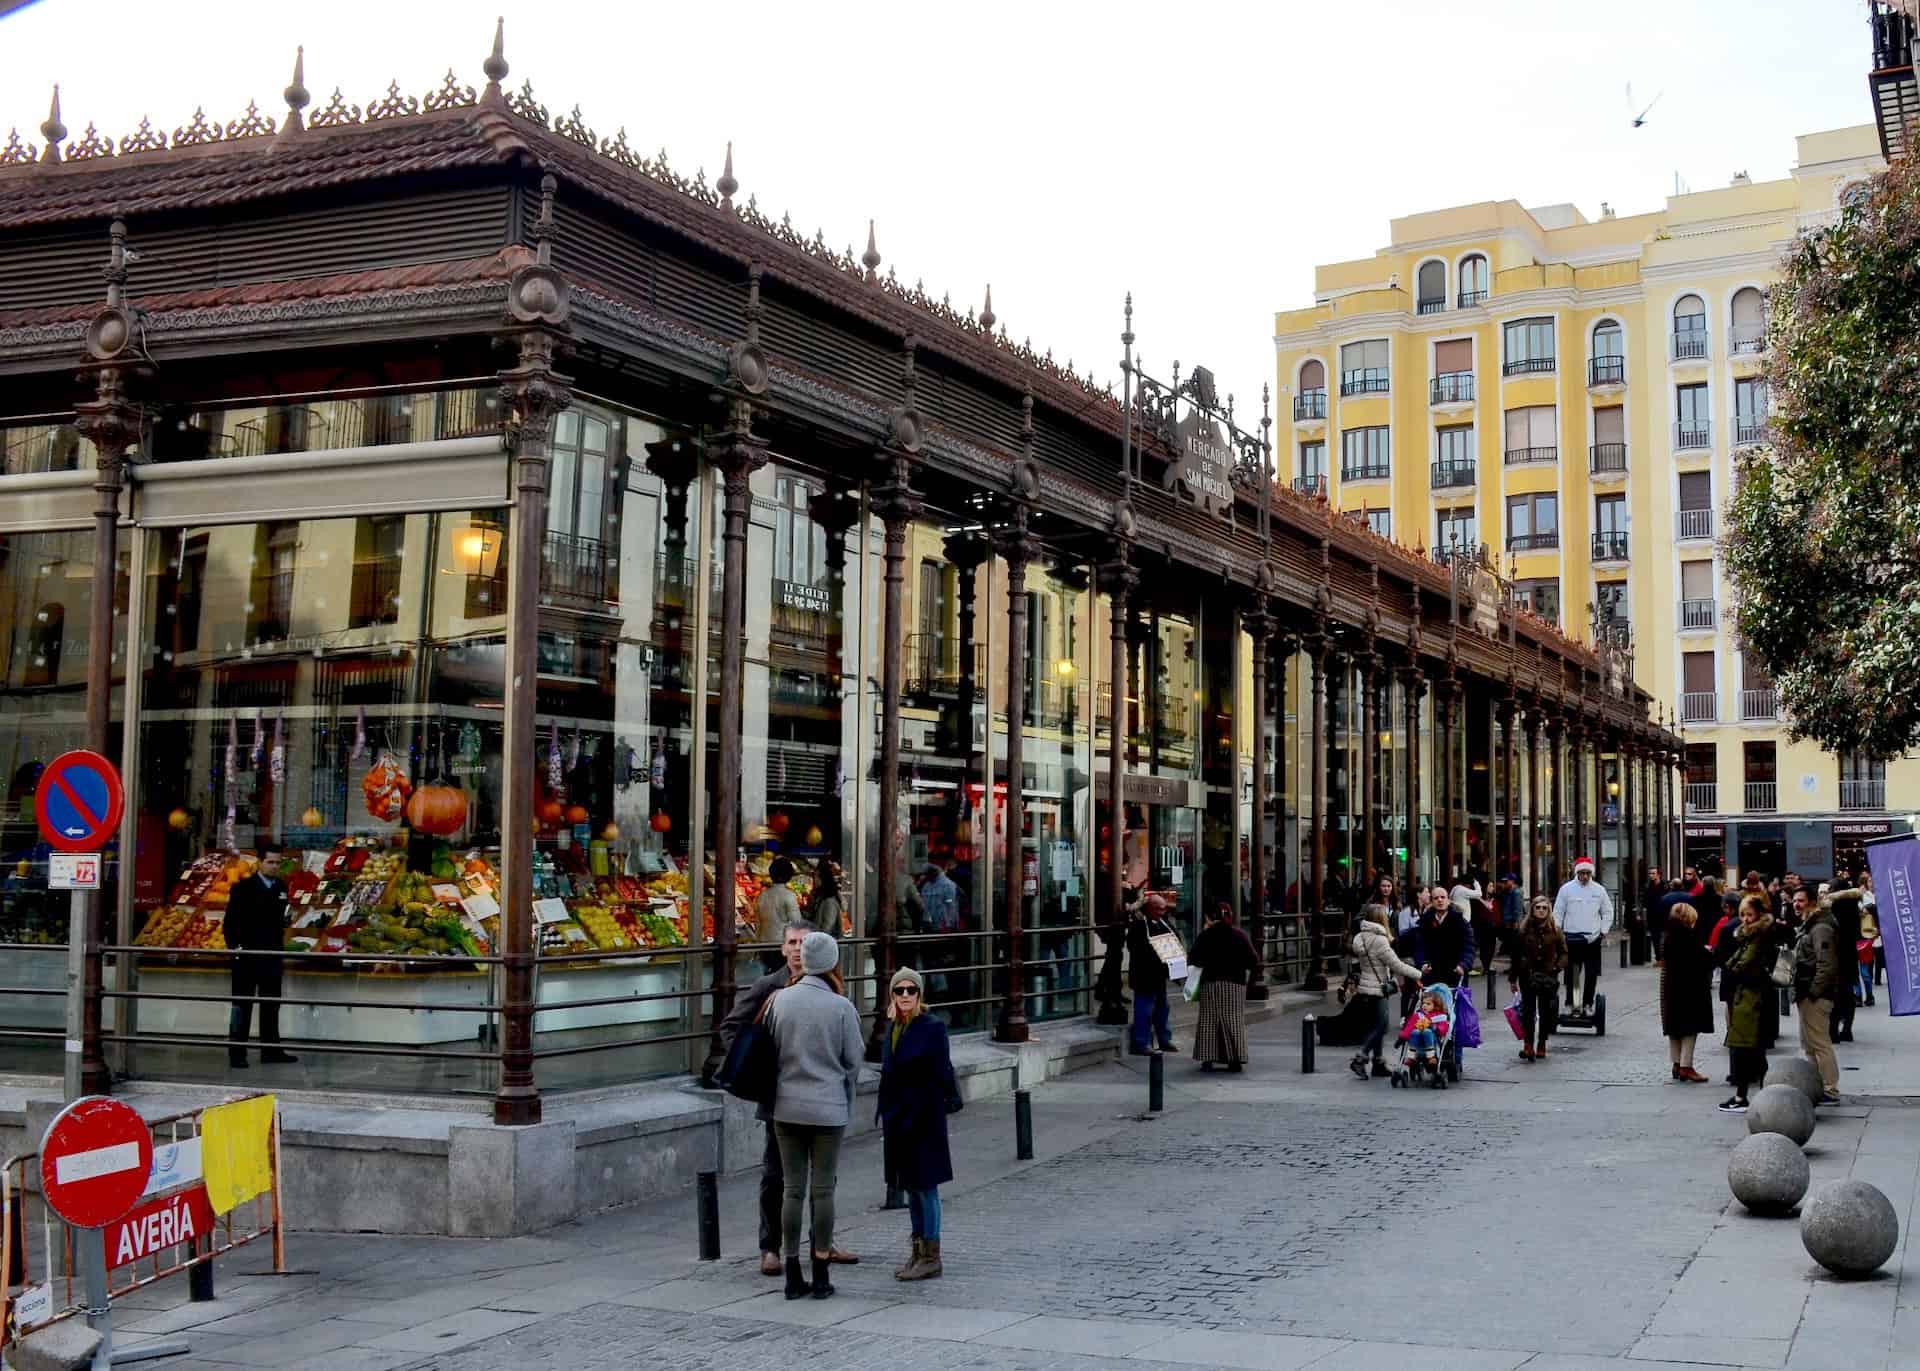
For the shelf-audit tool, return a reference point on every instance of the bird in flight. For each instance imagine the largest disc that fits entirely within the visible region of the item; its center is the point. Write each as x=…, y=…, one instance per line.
x=1641, y=117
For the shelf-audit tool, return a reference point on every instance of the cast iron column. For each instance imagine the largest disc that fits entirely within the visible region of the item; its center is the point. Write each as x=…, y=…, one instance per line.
x=1316, y=645
x=965, y=552
x=1018, y=548
x=1556, y=779
x=1535, y=873
x=897, y=504
x=1416, y=687
x=1599, y=804
x=1443, y=696
x=1631, y=882
x=1117, y=578
x=1257, y=624
x=1284, y=646
x=1509, y=823
x=1369, y=760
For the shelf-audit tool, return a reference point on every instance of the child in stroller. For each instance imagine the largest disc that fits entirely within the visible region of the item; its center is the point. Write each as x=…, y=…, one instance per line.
x=1426, y=1039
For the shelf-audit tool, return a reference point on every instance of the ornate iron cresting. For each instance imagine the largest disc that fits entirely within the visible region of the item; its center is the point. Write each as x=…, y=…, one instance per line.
x=1214, y=456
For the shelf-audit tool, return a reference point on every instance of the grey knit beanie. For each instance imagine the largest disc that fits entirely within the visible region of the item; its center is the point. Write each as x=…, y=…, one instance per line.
x=819, y=953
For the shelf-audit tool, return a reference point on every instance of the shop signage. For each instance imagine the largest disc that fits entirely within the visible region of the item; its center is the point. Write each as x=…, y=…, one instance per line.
x=795, y=595
x=1706, y=830
x=1149, y=790
x=1895, y=863
x=1863, y=830
x=159, y=1224
x=1202, y=467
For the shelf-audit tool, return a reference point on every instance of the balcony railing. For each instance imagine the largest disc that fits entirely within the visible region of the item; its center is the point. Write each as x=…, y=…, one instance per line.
x=1763, y=797
x=1310, y=404
x=1534, y=542
x=1371, y=381
x=1607, y=458
x=1437, y=305
x=1451, y=388
x=1761, y=703
x=1452, y=475
x=1892, y=36
x=1863, y=794
x=1693, y=524
x=1692, y=434
x=1610, y=547
x=1467, y=299
x=1699, y=707
x=1696, y=614
x=1690, y=346
x=1747, y=339
x=1366, y=471
x=1749, y=432
x=376, y=591
x=1315, y=486
x=576, y=570
x=272, y=605
x=1527, y=366
x=1524, y=456
x=1702, y=797
x=1607, y=371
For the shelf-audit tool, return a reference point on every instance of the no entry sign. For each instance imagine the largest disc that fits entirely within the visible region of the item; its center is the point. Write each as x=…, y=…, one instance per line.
x=94, y=1161
x=79, y=802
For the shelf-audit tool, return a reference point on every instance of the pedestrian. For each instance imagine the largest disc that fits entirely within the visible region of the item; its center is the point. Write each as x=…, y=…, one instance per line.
x=1686, y=991
x=1147, y=978
x=1746, y=983
x=1866, y=948
x=1539, y=957
x=1654, y=908
x=1225, y=959
x=1447, y=952
x=777, y=906
x=917, y=1092
x=256, y=933
x=1816, y=983
x=826, y=909
x=1584, y=911
x=816, y=1031
x=1848, y=919
x=1377, y=965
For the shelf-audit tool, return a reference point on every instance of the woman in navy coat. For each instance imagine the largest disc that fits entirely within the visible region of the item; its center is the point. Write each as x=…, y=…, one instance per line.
x=917, y=1092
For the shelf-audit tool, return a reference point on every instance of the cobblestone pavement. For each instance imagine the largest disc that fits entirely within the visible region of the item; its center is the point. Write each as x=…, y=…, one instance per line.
x=1563, y=1217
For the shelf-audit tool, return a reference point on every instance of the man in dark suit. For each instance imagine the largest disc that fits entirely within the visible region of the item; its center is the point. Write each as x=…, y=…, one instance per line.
x=256, y=925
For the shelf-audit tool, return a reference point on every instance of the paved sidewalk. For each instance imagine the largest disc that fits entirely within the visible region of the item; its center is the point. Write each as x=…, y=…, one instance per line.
x=1564, y=1216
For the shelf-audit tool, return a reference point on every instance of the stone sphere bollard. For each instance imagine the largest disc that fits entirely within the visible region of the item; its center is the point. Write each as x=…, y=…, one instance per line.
x=1850, y=1228
x=1768, y=1173
x=1781, y=1109
x=1796, y=1071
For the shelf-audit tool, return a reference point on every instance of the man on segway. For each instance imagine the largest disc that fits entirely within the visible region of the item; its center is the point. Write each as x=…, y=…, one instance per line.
x=1584, y=911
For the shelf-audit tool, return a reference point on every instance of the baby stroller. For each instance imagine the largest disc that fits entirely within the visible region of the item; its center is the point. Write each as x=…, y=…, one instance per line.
x=1440, y=1063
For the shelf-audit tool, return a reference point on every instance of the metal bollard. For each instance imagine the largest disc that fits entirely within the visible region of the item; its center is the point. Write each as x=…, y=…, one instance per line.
x=1022, y=1126
x=1493, y=996
x=1156, y=1082
x=1623, y=952
x=1306, y=1045
x=707, y=1190
x=200, y=1280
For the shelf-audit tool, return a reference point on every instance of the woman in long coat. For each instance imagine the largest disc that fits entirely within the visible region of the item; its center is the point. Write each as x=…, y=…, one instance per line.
x=1749, y=975
x=1226, y=959
x=1686, y=990
x=917, y=1092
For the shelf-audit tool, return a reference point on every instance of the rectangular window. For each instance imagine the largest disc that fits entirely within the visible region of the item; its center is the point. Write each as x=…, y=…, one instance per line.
x=1456, y=528
x=1363, y=454
x=1856, y=766
x=1529, y=346
x=1533, y=522
x=1696, y=580
x=1749, y=398
x=1693, y=426
x=1696, y=490
x=1753, y=676
x=1696, y=672
x=1454, y=355
x=1453, y=447
x=1381, y=522
x=1703, y=764
x=1610, y=602
x=1759, y=762
x=1542, y=597
x=1313, y=461
x=1363, y=367
x=1610, y=425
x=1530, y=435
x=1610, y=515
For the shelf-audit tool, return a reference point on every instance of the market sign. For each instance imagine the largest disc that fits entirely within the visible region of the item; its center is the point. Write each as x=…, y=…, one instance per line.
x=1201, y=472
x=1150, y=790
x=797, y=595
x=1863, y=830
x=1706, y=831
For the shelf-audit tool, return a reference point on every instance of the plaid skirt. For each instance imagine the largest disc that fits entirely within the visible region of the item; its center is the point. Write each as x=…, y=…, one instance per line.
x=1221, y=1035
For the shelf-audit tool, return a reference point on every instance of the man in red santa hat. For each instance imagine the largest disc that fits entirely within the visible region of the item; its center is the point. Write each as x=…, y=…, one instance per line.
x=1584, y=911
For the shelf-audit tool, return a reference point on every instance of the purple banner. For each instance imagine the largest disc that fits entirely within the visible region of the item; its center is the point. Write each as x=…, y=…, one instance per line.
x=1895, y=863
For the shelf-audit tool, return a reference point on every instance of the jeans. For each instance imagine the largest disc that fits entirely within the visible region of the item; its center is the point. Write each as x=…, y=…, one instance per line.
x=1539, y=1011
x=923, y=1206
x=1423, y=1042
x=773, y=1189
x=1816, y=1018
x=1863, y=983
x=1150, y=1019
x=1585, y=955
x=810, y=1159
x=255, y=975
x=1376, y=1039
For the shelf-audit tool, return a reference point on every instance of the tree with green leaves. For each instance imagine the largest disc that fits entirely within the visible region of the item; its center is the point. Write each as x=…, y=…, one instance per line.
x=1823, y=531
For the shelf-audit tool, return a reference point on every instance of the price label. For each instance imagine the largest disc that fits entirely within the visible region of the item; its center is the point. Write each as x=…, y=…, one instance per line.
x=73, y=871
x=34, y=1306
x=550, y=911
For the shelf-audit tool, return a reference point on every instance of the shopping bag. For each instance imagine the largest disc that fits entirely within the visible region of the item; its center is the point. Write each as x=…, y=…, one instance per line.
x=1192, y=991
x=1466, y=1019
x=1513, y=1021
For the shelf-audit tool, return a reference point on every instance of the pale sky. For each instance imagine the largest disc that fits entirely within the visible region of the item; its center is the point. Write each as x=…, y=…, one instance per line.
x=1202, y=155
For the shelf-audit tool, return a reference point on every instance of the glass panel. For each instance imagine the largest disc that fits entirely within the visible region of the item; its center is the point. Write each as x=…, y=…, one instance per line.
x=28, y=448
x=1608, y=340
x=323, y=422
x=1610, y=425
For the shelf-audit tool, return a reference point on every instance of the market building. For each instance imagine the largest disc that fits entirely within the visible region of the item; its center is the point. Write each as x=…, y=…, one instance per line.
x=1578, y=395
x=522, y=547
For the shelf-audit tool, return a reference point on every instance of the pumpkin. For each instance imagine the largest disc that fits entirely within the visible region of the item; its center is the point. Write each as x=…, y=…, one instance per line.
x=779, y=823
x=180, y=821
x=312, y=818
x=661, y=822
x=437, y=808
x=577, y=814
x=550, y=811
x=814, y=835
x=611, y=833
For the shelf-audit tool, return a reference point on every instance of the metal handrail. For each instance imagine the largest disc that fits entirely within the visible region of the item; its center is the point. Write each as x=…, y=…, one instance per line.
x=1608, y=370
x=1606, y=457
x=1366, y=471
x=1698, y=613
x=1467, y=299
x=1610, y=547
x=1451, y=475
x=1310, y=404
x=1528, y=366
x=1533, y=542
x=1690, y=345
x=1366, y=381
x=1693, y=524
x=1450, y=387
x=1522, y=456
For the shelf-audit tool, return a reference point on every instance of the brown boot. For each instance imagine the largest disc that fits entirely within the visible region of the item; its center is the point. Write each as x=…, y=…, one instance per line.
x=905, y=1272
x=928, y=1265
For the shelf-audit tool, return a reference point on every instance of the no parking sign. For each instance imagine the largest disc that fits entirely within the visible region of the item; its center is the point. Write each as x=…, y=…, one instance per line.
x=79, y=802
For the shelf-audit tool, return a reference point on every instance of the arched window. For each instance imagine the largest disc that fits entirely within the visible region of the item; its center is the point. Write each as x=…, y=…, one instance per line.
x=1473, y=280
x=1433, y=288
x=1609, y=364
x=1749, y=333
x=1311, y=402
x=1689, y=328
x=1856, y=195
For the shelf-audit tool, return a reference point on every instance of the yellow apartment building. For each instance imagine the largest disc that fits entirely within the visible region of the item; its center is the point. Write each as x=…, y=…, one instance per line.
x=1573, y=393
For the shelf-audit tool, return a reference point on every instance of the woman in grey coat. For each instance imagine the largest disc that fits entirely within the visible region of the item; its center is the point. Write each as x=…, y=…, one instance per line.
x=816, y=1032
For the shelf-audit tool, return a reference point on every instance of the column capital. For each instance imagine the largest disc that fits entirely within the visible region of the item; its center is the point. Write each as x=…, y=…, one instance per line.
x=1117, y=577
x=894, y=499
x=1015, y=543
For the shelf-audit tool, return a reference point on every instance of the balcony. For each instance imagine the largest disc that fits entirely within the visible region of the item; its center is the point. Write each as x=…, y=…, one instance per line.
x=1534, y=542
x=1467, y=299
x=1896, y=95
x=1607, y=371
x=1763, y=797
x=1531, y=456
x=1699, y=707
x=1697, y=614
x=1863, y=794
x=376, y=592
x=1607, y=459
x=1747, y=340
x=1310, y=404
x=1315, y=486
x=1693, y=525
x=1690, y=345
x=1693, y=435
x=271, y=608
x=1527, y=366
x=1366, y=471
x=1370, y=381
x=1452, y=475
x=1437, y=305
x=1610, y=547
x=1451, y=388
x=1763, y=703
x=1702, y=797
x=1748, y=431
x=576, y=571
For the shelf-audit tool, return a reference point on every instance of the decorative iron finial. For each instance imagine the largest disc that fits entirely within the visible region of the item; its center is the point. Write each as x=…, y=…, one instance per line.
x=870, y=259
x=53, y=130
x=1126, y=334
x=116, y=270
x=987, y=315
x=495, y=66
x=543, y=226
x=296, y=95
x=727, y=185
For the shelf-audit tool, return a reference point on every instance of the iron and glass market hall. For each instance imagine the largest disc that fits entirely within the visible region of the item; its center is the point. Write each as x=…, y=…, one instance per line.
x=530, y=554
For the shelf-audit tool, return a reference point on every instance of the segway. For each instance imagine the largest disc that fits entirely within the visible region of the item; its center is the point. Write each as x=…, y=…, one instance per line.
x=1597, y=1021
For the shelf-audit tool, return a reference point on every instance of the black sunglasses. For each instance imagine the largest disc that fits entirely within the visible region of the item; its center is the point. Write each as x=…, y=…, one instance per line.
x=905, y=990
